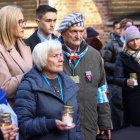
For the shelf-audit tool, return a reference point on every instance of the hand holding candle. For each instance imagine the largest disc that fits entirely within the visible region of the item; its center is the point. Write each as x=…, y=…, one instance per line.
x=133, y=76
x=62, y=126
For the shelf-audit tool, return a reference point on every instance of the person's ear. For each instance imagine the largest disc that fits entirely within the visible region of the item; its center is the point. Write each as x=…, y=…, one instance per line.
x=37, y=21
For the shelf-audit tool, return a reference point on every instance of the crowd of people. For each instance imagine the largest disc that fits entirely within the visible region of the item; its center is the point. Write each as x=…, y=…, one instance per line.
x=44, y=73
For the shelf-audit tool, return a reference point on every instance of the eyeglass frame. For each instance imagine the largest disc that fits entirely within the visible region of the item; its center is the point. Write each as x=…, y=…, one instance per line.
x=21, y=22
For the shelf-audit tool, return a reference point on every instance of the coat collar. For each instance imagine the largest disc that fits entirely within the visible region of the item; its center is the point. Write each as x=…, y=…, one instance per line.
x=130, y=62
x=21, y=57
x=38, y=85
x=35, y=39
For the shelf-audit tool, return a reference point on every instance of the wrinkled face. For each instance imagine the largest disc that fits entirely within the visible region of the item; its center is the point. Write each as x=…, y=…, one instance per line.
x=73, y=36
x=47, y=23
x=19, y=32
x=55, y=61
x=134, y=44
x=85, y=34
x=118, y=30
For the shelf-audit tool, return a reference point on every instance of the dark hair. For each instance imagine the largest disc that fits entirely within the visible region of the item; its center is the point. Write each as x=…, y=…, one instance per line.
x=43, y=9
x=124, y=22
x=115, y=22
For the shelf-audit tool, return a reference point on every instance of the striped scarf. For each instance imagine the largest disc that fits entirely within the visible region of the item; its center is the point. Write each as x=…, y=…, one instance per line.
x=134, y=54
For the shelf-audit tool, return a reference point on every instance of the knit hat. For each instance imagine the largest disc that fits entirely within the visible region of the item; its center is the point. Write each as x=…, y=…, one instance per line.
x=131, y=32
x=75, y=19
x=91, y=32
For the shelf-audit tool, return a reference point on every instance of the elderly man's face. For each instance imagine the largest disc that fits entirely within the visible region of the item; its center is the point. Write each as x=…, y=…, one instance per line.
x=55, y=61
x=73, y=36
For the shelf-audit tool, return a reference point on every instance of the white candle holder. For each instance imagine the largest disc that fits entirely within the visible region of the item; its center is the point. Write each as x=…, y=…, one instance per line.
x=67, y=115
x=133, y=76
x=5, y=119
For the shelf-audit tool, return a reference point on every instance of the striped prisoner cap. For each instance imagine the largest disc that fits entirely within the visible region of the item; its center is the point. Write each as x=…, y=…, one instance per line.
x=75, y=19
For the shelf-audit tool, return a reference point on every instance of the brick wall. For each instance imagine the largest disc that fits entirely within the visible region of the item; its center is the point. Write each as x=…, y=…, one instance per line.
x=43, y=1
x=123, y=8
x=28, y=6
x=103, y=28
x=94, y=11
x=97, y=13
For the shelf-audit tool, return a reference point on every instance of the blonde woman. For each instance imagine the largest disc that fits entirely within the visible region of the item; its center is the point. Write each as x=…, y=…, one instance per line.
x=15, y=56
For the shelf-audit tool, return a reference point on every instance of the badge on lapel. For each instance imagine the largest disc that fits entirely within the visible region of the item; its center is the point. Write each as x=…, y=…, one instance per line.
x=88, y=76
x=75, y=79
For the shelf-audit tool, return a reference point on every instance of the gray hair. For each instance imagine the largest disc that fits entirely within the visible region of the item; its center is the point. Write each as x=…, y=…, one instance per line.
x=41, y=50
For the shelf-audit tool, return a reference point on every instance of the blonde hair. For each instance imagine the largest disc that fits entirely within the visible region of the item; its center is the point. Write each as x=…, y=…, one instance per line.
x=8, y=22
x=41, y=50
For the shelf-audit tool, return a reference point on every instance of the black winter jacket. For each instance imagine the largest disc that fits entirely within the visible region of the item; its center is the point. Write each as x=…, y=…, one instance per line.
x=131, y=96
x=109, y=55
x=33, y=40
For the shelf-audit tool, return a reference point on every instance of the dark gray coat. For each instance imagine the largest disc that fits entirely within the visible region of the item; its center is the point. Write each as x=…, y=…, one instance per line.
x=91, y=113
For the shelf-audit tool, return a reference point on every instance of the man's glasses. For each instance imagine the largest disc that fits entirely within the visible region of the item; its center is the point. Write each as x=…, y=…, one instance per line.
x=22, y=23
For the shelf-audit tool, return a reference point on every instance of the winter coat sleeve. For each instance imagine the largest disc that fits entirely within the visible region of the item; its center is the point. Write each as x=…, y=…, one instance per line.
x=107, y=55
x=8, y=82
x=119, y=72
x=103, y=108
x=1, y=135
x=25, y=108
x=104, y=116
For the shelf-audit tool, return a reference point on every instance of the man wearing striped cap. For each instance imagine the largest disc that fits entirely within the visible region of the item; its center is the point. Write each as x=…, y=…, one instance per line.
x=84, y=64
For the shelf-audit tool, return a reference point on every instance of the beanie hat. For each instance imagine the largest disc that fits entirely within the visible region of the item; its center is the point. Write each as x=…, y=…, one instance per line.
x=131, y=32
x=91, y=32
x=75, y=19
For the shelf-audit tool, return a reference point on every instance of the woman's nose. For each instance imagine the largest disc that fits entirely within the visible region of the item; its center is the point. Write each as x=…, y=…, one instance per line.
x=61, y=58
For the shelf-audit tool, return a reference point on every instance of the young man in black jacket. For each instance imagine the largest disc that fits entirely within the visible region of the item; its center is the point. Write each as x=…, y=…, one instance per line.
x=109, y=54
x=46, y=17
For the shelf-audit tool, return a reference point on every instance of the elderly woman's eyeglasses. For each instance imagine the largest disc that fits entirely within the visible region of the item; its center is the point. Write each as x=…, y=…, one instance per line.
x=22, y=22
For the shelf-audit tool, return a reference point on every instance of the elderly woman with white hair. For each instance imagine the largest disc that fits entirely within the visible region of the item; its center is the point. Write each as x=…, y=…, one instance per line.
x=42, y=95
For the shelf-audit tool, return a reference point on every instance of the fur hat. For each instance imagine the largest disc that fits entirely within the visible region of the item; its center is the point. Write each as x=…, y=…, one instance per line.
x=131, y=32
x=75, y=19
x=91, y=32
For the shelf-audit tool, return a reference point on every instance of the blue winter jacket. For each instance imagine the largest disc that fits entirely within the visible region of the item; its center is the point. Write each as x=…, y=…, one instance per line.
x=37, y=108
